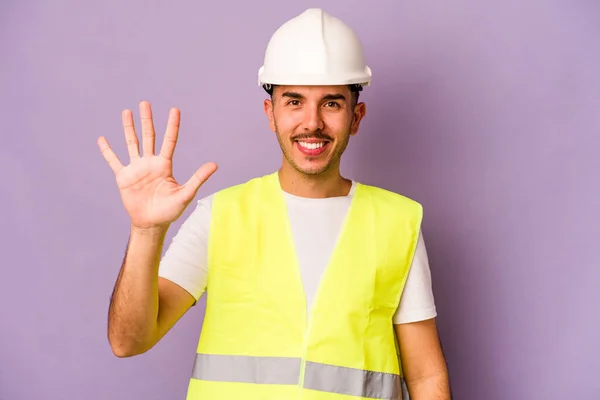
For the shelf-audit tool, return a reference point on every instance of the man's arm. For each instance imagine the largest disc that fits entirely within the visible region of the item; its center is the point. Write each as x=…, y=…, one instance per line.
x=143, y=307
x=423, y=362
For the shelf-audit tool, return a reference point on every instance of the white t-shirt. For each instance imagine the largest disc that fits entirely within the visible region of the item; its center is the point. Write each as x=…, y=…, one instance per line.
x=315, y=225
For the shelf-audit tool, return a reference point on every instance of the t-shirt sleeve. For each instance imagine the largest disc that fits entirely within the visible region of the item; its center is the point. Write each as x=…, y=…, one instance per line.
x=417, y=301
x=185, y=261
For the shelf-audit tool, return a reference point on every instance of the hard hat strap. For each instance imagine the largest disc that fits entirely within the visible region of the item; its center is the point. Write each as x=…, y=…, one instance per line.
x=357, y=87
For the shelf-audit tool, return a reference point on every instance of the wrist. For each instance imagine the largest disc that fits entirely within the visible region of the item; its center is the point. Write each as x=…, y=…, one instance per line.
x=152, y=231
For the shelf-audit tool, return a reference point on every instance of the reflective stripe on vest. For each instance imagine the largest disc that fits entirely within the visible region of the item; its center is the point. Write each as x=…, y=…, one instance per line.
x=354, y=382
x=246, y=369
x=286, y=371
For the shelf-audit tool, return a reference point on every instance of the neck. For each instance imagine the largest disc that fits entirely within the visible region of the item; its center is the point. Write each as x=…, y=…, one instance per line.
x=327, y=184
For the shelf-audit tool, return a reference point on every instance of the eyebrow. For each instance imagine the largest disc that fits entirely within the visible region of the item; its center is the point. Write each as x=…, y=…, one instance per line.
x=336, y=96
x=332, y=96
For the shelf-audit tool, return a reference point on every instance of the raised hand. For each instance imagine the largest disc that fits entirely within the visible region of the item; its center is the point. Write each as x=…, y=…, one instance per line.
x=150, y=193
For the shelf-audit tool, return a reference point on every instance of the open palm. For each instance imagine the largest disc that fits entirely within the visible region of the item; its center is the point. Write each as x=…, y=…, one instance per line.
x=150, y=193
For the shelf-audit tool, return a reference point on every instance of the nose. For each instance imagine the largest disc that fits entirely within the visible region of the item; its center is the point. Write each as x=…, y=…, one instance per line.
x=312, y=119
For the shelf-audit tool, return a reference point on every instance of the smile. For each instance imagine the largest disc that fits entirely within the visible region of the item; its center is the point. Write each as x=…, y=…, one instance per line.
x=312, y=148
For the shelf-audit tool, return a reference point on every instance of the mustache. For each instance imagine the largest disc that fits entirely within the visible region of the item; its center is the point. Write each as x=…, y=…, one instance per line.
x=314, y=135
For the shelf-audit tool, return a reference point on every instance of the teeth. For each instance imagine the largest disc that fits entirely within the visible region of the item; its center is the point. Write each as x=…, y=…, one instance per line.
x=312, y=146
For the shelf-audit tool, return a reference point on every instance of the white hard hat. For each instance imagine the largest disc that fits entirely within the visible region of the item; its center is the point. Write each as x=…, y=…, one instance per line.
x=314, y=48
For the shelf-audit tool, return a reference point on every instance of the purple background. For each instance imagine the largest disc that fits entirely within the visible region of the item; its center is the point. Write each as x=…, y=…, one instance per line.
x=488, y=113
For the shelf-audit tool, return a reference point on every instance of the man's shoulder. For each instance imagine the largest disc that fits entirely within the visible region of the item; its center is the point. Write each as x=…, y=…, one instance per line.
x=390, y=206
x=387, y=195
x=238, y=187
x=233, y=192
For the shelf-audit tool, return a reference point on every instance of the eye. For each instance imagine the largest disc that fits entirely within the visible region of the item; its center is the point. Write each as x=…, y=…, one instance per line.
x=293, y=103
x=332, y=104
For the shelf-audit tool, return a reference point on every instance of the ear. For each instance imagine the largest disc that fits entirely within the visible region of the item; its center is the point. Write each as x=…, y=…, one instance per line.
x=360, y=110
x=268, y=107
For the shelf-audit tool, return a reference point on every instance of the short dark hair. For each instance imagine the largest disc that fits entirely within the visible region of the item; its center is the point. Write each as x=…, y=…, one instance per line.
x=355, y=90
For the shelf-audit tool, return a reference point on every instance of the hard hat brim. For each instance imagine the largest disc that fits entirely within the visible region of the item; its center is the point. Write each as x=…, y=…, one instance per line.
x=362, y=78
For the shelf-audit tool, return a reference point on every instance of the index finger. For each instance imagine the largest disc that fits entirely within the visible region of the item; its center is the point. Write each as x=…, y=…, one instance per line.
x=171, y=135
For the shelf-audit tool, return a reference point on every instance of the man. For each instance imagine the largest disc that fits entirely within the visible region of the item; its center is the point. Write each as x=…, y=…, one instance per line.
x=317, y=286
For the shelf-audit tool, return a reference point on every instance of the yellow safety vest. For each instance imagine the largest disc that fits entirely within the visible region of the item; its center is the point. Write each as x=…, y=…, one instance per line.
x=257, y=341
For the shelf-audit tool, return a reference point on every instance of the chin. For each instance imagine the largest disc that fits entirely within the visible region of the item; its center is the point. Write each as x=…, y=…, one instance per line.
x=306, y=165
x=312, y=169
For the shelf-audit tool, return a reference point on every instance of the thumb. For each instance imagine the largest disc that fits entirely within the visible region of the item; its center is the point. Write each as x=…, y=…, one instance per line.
x=189, y=189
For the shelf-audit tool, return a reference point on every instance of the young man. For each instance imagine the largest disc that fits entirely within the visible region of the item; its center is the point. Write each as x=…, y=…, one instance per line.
x=317, y=286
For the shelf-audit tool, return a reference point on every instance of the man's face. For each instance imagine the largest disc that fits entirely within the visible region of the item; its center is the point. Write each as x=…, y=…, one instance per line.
x=313, y=124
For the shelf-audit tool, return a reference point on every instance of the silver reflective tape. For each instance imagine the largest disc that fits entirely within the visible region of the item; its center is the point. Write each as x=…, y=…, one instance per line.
x=247, y=369
x=353, y=382
x=405, y=395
